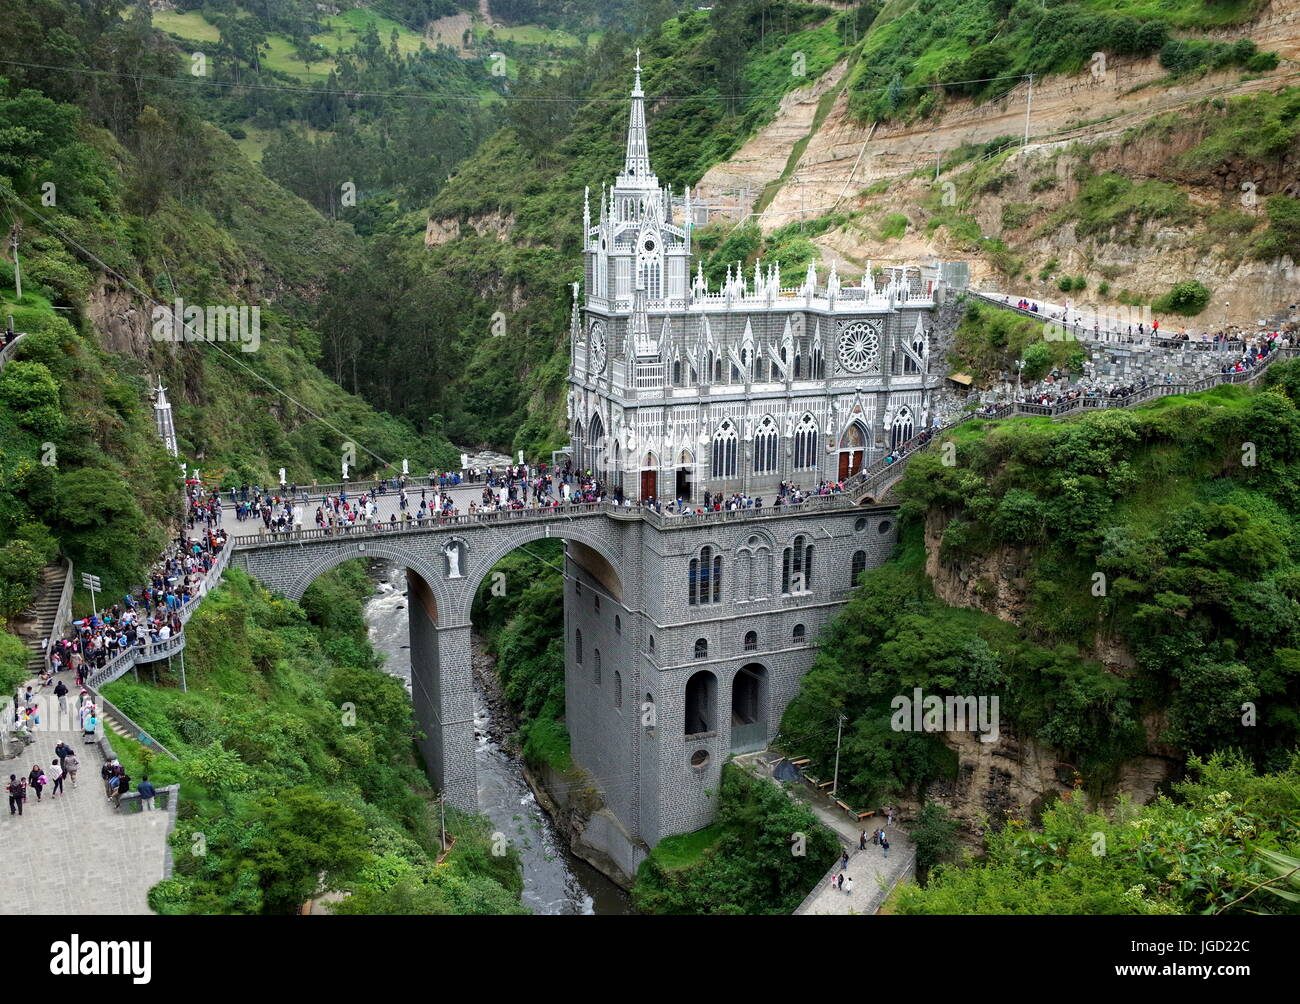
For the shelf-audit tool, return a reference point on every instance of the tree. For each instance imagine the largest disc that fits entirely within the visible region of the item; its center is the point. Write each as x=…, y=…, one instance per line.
x=20, y=569
x=935, y=837
x=305, y=842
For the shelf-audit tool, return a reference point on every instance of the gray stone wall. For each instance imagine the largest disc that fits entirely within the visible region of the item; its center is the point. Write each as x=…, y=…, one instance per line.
x=645, y=629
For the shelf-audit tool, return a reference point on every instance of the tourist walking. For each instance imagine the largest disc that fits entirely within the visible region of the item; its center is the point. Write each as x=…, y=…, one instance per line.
x=121, y=785
x=862, y=841
x=55, y=773
x=146, y=792
x=17, y=792
x=36, y=779
x=71, y=765
x=884, y=843
x=848, y=885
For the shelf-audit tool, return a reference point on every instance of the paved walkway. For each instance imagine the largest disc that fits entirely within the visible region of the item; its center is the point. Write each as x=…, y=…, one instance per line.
x=874, y=875
x=73, y=853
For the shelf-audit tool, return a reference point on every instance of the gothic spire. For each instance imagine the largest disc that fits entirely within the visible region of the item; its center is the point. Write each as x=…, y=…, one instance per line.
x=636, y=165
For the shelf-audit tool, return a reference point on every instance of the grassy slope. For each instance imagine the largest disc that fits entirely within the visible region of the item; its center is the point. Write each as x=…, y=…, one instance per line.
x=266, y=682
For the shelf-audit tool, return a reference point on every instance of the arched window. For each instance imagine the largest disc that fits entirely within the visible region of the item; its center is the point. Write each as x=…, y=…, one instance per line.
x=648, y=713
x=677, y=372
x=799, y=633
x=765, y=443
x=796, y=566
x=818, y=364
x=577, y=646
x=724, y=450
x=618, y=689
x=753, y=570
x=595, y=459
x=705, y=583
x=902, y=430
x=701, y=648
x=751, y=641
x=858, y=567
x=595, y=666
x=805, y=444
x=798, y=363
x=701, y=703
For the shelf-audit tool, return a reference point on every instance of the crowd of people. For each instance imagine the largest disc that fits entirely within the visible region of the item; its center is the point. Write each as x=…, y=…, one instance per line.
x=142, y=619
x=63, y=767
x=514, y=488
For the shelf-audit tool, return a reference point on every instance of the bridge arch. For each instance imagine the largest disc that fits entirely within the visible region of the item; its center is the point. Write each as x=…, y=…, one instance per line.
x=596, y=554
x=374, y=546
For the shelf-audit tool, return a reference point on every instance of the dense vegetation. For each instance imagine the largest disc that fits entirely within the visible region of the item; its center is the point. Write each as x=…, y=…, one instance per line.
x=1204, y=849
x=519, y=614
x=296, y=760
x=916, y=53
x=1167, y=534
x=762, y=855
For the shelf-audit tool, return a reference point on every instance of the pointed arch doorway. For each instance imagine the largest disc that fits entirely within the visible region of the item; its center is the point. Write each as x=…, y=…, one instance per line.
x=649, y=477
x=853, y=450
x=685, y=463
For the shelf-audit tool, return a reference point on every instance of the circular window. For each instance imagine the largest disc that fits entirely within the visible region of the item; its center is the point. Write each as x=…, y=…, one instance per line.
x=596, y=358
x=884, y=526
x=699, y=758
x=860, y=525
x=859, y=347
x=649, y=245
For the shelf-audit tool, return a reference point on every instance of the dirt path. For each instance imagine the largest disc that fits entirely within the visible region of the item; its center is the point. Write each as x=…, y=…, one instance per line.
x=839, y=159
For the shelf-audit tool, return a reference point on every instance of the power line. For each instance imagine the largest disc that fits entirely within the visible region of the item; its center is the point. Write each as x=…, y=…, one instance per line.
x=158, y=303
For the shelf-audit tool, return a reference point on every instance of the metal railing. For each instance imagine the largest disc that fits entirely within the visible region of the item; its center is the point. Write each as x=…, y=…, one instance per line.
x=7, y=353
x=888, y=470
x=145, y=651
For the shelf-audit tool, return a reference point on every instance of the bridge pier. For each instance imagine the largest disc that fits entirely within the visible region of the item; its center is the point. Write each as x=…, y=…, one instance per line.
x=442, y=691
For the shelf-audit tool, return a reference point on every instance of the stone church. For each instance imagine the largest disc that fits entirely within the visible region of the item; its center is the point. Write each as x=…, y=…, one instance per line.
x=688, y=647
x=677, y=388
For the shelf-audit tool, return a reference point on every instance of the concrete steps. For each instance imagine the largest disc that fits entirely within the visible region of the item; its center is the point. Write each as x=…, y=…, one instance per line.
x=48, y=593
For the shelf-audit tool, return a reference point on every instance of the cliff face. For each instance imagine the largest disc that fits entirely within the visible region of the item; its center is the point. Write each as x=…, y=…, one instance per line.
x=874, y=170
x=1014, y=777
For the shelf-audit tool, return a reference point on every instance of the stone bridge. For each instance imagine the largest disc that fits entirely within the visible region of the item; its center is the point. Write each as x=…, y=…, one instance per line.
x=669, y=620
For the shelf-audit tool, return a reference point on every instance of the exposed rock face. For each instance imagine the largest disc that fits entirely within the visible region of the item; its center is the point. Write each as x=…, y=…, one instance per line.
x=994, y=584
x=1014, y=777
x=123, y=319
x=495, y=224
x=1017, y=777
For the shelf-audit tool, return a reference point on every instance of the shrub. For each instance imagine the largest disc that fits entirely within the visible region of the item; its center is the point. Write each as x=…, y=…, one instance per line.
x=1187, y=298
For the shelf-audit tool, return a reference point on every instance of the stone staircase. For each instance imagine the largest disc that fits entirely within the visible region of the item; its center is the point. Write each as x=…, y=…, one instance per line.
x=49, y=593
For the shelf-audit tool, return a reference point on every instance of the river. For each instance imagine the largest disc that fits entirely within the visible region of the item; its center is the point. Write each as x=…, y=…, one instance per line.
x=555, y=882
